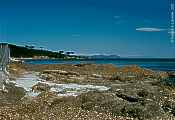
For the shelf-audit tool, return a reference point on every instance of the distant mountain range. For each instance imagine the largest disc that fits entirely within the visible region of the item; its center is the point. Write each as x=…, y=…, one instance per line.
x=103, y=57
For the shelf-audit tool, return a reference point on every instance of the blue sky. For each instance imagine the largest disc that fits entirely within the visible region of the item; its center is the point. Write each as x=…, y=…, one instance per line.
x=130, y=28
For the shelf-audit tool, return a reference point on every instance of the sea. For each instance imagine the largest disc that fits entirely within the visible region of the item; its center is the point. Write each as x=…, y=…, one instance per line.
x=149, y=63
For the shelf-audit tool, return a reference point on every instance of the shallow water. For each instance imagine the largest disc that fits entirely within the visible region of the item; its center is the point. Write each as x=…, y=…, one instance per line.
x=28, y=80
x=74, y=89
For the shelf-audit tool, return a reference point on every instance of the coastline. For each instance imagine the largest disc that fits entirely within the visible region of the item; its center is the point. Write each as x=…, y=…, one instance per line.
x=135, y=93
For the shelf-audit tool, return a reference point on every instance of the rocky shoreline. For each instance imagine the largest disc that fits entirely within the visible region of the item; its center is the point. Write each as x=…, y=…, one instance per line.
x=134, y=93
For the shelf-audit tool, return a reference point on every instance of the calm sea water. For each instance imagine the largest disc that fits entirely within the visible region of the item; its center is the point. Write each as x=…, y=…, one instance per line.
x=154, y=64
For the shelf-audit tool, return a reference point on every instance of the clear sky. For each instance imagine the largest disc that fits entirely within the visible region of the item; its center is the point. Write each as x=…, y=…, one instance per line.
x=130, y=28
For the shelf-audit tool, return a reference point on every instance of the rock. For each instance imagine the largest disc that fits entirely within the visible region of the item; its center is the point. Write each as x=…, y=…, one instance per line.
x=169, y=80
x=47, y=76
x=169, y=106
x=13, y=95
x=56, y=71
x=60, y=72
x=80, y=65
x=135, y=93
x=133, y=110
x=127, y=97
x=41, y=87
x=143, y=93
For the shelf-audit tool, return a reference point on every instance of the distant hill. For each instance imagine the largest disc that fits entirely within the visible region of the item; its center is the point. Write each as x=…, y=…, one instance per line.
x=20, y=51
x=30, y=52
x=103, y=57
